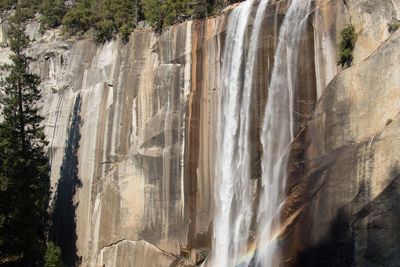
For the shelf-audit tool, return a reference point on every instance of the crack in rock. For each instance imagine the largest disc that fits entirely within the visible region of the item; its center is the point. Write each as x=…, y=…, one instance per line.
x=116, y=243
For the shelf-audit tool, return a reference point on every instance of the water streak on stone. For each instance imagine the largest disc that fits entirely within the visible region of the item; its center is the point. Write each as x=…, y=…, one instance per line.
x=278, y=132
x=234, y=199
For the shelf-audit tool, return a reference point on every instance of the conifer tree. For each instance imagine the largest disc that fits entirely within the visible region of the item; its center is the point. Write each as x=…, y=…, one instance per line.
x=52, y=12
x=24, y=171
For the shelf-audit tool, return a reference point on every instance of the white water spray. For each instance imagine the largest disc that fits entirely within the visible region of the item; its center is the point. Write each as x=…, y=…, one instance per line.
x=233, y=195
x=278, y=132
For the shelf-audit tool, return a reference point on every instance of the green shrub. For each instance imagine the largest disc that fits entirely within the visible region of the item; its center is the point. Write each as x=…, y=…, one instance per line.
x=125, y=32
x=104, y=31
x=218, y=5
x=79, y=18
x=346, y=45
x=52, y=13
x=52, y=257
x=165, y=13
x=153, y=12
x=24, y=9
x=393, y=26
x=106, y=17
x=7, y=4
x=115, y=16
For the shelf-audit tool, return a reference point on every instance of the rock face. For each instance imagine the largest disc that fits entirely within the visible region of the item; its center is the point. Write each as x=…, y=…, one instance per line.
x=131, y=131
x=131, y=102
x=348, y=191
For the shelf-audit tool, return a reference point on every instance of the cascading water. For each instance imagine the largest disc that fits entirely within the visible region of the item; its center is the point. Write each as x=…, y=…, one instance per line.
x=278, y=132
x=233, y=195
x=234, y=199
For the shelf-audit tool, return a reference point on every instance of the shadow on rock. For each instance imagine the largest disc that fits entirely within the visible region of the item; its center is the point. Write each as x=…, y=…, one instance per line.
x=368, y=236
x=63, y=226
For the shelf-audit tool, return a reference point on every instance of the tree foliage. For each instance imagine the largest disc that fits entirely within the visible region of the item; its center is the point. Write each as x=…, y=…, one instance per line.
x=52, y=13
x=79, y=18
x=114, y=17
x=26, y=8
x=7, y=4
x=162, y=13
x=52, y=257
x=346, y=45
x=24, y=171
x=106, y=18
x=393, y=26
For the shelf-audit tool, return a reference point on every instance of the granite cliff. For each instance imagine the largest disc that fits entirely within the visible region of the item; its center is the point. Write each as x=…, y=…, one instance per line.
x=132, y=131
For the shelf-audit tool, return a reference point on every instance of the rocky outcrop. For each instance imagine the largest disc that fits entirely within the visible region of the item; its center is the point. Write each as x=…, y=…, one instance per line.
x=347, y=196
x=352, y=174
x=130, y=142
x=371, y=20
x=115, y=120
x=130, y=157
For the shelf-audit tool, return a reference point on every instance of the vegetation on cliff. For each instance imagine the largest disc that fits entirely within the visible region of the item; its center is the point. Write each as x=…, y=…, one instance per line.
x=393, y=26
x=106, y=18
x=24, y=167
x=163, y=13
x=27, y=8
x=346, y=45
x=52, y=13
x=52, y=257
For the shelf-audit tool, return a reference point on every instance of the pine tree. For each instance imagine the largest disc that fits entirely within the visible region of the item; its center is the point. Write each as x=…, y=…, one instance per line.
x=24, y=171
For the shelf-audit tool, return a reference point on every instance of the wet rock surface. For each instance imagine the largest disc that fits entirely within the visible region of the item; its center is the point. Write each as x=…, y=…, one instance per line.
x=143, y=163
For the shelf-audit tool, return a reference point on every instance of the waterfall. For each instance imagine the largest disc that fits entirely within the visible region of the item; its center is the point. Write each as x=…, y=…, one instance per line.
x=233, y=189
x=278, y=132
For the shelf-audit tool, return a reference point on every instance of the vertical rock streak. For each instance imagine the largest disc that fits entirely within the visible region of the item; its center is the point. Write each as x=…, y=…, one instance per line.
x=234, y=199
x=278, y=132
